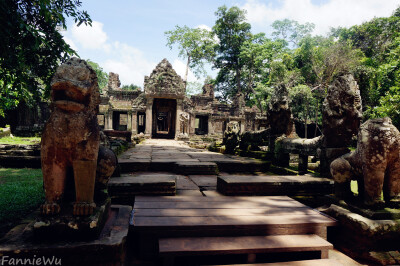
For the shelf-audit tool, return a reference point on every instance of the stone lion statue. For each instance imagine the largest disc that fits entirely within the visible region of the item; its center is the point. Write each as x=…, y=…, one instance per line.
x=375, y=164
x=231, y=136
x=342, y=111
x=70, y=140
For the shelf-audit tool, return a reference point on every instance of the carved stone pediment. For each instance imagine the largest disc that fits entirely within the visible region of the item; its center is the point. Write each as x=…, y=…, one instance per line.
x=164, y=82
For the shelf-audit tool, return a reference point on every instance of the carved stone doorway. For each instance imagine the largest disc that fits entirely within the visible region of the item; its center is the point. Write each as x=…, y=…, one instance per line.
x=164, y=118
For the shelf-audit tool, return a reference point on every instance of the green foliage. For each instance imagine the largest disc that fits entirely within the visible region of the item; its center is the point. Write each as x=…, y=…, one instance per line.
x=232, y=31
x=378, y=75
x=193, y=88
x=32, y=47
x=258, y=54
x=301, y=100
x=20, y=140
x=130, y=87
x=291, y=31
x=196, y=45
x=102, y=76
x=389, y=106
x=21, y=192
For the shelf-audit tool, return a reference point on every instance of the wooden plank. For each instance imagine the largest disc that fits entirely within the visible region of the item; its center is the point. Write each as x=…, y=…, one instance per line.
x=273, y=179
x=223, y=212
x=241, y=245
x=322, y=262
x=226, y=221
x=214, y=205
x=265, y=199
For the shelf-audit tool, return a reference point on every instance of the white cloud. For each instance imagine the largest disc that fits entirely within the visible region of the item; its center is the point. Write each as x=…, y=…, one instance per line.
x=204, y=27
x=71, y=43
x=129, y=62
x=334, y=13
x=113, y=56
x=92, y=37
x=180, y=68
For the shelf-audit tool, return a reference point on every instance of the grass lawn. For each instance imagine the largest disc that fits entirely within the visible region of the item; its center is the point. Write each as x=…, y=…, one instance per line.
x=20, y=140
x=21, y=192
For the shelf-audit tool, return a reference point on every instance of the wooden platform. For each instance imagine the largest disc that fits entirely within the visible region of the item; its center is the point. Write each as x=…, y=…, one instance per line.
x=169, y=248
x=170, y=217
x=273, y=185
x=323, y=262
x=123, y=189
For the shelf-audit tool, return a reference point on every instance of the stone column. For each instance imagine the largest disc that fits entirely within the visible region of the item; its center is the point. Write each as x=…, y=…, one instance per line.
x=108, y=120
x=129, y=121
x=242, y=126
x=179, y=108
x=149, y=117
x=303, y=164
x=192, y=120
x=210, y=126
x=134, y=122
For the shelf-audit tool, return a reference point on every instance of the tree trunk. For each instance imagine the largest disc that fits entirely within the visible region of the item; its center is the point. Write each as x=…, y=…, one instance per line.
x=252, y=90
x=187, y=71
x=316, y=120
x=305, y=121
x=239, y=89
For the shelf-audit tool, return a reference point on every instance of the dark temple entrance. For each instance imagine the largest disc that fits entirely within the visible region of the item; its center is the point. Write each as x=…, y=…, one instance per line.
x=164, y=118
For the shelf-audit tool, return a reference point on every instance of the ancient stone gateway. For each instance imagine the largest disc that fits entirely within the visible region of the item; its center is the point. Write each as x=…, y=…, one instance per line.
x=157, y=111
x=164, y=91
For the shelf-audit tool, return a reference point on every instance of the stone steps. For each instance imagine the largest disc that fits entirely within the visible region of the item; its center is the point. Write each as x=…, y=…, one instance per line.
x=193, y=166
x=13, y=161
x=171, y=248
x=123, y=189
x=321, y=262
x=157, y=218
x=236, y=185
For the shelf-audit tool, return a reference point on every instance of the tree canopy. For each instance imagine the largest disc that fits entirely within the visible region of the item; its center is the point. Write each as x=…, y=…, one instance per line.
x=255, y=64
x=32, y=47
x=195, y=45
x=102, y=76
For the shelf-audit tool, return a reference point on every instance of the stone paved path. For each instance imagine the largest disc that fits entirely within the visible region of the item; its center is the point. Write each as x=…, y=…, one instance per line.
x=171, y=151
x=160, y=152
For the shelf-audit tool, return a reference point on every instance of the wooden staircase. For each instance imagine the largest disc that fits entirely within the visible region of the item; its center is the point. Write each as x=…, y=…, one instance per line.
x=211, y=230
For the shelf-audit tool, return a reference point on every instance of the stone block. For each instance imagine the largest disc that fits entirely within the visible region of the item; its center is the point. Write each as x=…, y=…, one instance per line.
x=107, y=249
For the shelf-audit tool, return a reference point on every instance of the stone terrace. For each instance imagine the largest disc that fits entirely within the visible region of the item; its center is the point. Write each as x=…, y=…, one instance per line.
x=162, y=168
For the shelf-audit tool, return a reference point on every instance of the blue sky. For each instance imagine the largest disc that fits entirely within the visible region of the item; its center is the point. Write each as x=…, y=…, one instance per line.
x=127, y=37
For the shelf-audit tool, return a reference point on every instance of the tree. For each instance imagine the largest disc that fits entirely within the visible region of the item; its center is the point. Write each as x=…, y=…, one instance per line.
x=193, y=88
x=196, y=45
x=32, y=47
x=130, y=87
x=232, y=31
x=291, y=31
x=257, y=54
x=389, y=105
x=102, y=76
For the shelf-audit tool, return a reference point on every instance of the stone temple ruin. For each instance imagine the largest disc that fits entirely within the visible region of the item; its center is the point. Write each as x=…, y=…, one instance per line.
x=163, y=110
x=90, y=207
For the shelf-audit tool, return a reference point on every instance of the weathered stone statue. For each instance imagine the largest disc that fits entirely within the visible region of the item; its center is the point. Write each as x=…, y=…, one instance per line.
x=184, y=122
x=278, y=113
x=342, y=111
x=208, y=90
x=375, y=164
x=70, y=141
x=231, y=137
x=341, y=118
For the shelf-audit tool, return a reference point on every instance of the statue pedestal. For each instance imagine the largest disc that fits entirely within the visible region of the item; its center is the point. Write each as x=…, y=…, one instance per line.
x=67, y=226
x=107, y=249
x=360, y=237
x=327, y=156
